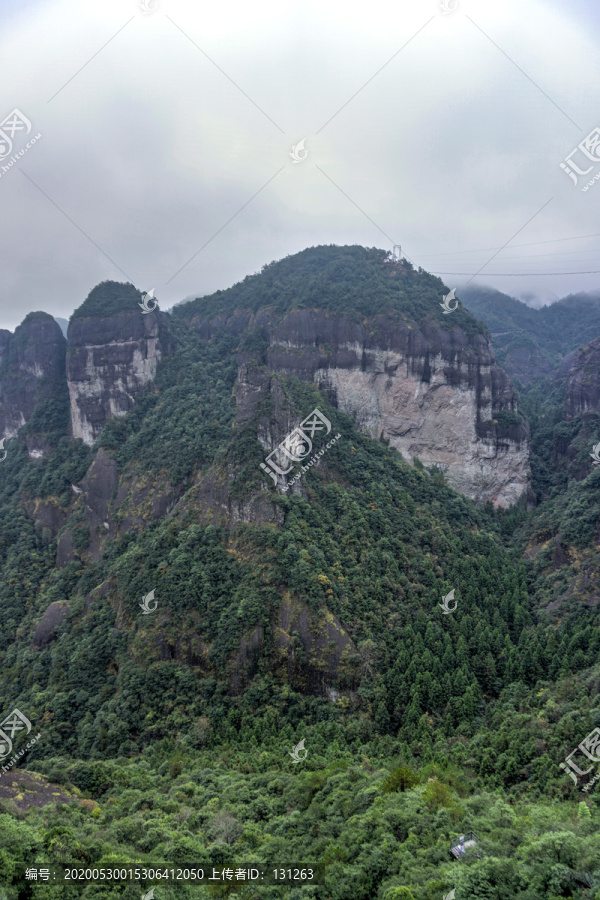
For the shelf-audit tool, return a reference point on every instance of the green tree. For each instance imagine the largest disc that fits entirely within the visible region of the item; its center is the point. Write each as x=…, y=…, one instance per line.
x=398, y=893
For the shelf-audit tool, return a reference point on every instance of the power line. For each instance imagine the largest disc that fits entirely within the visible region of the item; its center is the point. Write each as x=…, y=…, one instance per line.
x=555, y=255
x=514, y=274
x=531, y=244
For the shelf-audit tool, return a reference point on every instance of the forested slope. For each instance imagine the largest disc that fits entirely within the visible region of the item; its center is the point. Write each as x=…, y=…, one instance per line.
x=288, y=618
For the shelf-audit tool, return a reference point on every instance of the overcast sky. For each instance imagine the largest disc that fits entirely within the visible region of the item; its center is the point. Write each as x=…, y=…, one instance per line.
x=164, y=156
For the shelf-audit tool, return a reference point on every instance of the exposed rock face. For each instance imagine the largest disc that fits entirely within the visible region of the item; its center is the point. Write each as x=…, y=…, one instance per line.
x=309, y=650
x=110, y=505
x=524, y=361
x=434, y=394
x=95, y=493
x=32, y=364
x=210, y=501
x=52, y=618
x=578, y=375
x=583, y=381
x=48, y=516
x=110, y=361
x=140, y=500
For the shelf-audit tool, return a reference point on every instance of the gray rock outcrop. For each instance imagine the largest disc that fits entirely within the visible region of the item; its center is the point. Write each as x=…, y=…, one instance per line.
x=32, y=368
x=434, y=393
x=110, y=361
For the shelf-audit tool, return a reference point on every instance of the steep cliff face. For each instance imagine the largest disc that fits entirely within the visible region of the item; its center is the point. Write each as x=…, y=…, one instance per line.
x=432, y=390
x=107, y=505
x=32, y=370
x=531, y=342
x=110, y=359
x=434, y=393
x=583, y=381
x=577, y=380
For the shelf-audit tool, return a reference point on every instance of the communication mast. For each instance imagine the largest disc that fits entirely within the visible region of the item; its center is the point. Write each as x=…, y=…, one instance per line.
x=397, y=255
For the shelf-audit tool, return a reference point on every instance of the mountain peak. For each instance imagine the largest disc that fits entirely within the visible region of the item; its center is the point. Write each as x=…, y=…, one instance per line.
x=107, y=299
x=349, y=280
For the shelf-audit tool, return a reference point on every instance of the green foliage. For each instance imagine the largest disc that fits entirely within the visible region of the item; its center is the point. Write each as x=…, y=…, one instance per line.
x=360, y=843
x=254, y=345
x=311, y=617
x=54, y=474
x=81, y=537
x=185, y=425
x=399, y=780
x=108, y=299
x=547, y=333
x=349, y=280
x=51, y=416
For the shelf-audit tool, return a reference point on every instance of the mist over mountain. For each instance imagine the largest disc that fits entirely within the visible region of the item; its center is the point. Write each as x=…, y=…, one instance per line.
x=304, y=572
x=531, y=342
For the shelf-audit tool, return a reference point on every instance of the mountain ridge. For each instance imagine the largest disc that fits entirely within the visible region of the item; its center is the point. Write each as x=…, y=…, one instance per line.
x=392, y=357
x=531, y=342
x=311, y=615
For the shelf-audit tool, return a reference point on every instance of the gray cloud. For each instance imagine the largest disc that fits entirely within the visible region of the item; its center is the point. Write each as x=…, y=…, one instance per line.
x=149, y=150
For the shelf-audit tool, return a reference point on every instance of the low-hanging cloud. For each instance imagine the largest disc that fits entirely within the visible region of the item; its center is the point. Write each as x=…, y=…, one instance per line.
x=166, y=138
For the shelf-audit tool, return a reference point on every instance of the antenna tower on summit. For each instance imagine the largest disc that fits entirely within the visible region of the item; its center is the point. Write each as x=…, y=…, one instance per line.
x=397, y=252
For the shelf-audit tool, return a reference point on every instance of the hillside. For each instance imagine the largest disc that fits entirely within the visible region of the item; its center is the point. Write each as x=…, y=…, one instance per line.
x=352, y=280
x=530, y=342
x=300, y=609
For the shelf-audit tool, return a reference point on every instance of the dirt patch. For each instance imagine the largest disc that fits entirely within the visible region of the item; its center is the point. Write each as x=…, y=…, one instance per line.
x=30, y=789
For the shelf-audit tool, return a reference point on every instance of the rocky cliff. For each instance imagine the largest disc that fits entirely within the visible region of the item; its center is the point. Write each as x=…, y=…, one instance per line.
x=111, y=359
x=568, y=428
x=583, y=381
x=575, y=383
x=32, y=371
x=376, y=344
x=434, y=393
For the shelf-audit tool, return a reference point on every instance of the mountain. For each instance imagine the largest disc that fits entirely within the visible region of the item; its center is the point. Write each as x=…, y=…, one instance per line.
x=562, y=536
x=269, y=599
x=530, y=342
x=63, y=324
x=113, y=353
x=32, y=380
x=392, y=360
x=583, y=382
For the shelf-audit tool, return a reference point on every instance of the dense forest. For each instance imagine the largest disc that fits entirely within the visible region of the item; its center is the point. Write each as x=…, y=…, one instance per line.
x=547, y=334
x=352, y=281
x=161, y=744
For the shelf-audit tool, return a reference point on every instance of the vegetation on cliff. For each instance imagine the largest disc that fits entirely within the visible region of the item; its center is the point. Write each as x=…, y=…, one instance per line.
x=108, y=299
x=547, y=333
x=352, y=281
x=167, y=737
